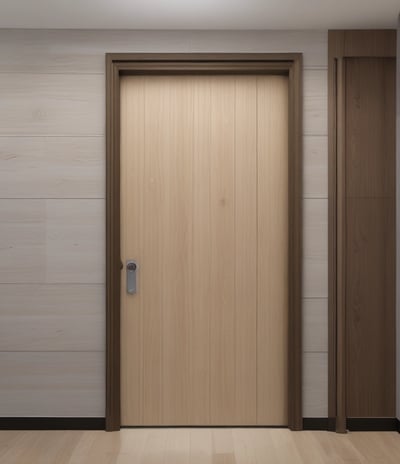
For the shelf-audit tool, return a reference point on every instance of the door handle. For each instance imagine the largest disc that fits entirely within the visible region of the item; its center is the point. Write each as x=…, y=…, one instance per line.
x=131, y=271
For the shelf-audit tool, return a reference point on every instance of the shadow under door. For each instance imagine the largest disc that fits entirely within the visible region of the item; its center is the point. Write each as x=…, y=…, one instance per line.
x=204, y=217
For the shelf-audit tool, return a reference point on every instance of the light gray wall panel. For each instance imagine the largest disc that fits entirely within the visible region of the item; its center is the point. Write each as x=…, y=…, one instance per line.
x=52, y=241
x=315, y=248
x=316, y=102
x=52, y=167
x=43, y=317
x=315, y=171
x=52, y=104
x=82, y=51
x=52, y=153
x=23, y=239
x=315, y=325
x=75, y=241
x=52, y=384
x=315, y=385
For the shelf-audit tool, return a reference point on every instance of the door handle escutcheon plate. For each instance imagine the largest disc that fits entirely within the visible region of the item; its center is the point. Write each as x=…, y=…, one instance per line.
x=131, y=276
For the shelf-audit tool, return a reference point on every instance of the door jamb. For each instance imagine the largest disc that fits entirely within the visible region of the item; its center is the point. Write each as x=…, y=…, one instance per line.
x=118, y=64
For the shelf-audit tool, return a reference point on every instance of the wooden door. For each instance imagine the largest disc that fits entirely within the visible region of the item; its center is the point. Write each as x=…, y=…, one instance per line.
x=204, y=213
x=370, y=236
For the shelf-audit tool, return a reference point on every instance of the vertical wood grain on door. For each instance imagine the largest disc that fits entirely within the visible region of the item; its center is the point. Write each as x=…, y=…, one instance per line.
x=204, y=205
x=370, y=237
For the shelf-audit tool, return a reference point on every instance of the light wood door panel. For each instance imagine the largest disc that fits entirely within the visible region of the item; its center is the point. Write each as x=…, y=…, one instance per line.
x=204, y=203
x=245, y=249
x=272, y=240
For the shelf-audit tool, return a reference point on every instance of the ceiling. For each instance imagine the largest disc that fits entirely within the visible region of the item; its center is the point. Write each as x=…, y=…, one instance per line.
x=199, y=14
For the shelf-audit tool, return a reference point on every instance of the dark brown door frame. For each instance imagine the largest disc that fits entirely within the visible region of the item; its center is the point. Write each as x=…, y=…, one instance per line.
x=342, y=44
x=199, y=63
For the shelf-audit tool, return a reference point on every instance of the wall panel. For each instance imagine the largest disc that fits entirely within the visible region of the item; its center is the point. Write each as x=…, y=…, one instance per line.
x=315, y=325
x=315, y=384
x=52, y=167
x=370, y=236
x=315, y=174
x=65, y=384
x=315, y=102
x=82, y=51
x=362, y=216
x=315, y=243
x=52, y=241
x=52, y=104
x=47, y=317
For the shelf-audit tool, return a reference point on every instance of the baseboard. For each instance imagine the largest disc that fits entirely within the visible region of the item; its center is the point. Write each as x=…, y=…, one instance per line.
x=398, y=425
x=52, y=423
x=204, y=426
x=98, y=423
x=317, y=423
x=372, y=424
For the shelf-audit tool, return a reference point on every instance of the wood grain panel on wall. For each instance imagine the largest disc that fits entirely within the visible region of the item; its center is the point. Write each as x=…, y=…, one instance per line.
x=52, y=384
x=370, y=237
x=52, y=241
x=315, y=246
x=370, y=117
x=52, y=317
x=82, y=51
x=52, y=104
x=369, y=43
x=370, y=303
x=52, y=167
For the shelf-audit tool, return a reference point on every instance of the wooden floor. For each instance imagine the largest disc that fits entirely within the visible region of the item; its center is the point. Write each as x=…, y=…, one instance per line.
x=198, y=446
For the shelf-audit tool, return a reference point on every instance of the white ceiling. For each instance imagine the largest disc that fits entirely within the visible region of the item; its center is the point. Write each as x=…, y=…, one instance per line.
x=199, y=14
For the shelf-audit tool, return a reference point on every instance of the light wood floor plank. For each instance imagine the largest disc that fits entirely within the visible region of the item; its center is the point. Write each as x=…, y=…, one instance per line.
x=198, y=446
x=177, y=447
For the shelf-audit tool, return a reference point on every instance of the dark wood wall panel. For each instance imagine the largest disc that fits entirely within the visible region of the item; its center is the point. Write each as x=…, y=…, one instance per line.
x=362, y=42
x=370, y=299
x=370, y=127
x=370, y=236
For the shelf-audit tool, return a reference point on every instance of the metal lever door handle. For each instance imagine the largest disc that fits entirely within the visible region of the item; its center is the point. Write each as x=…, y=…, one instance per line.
x=131, y=271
